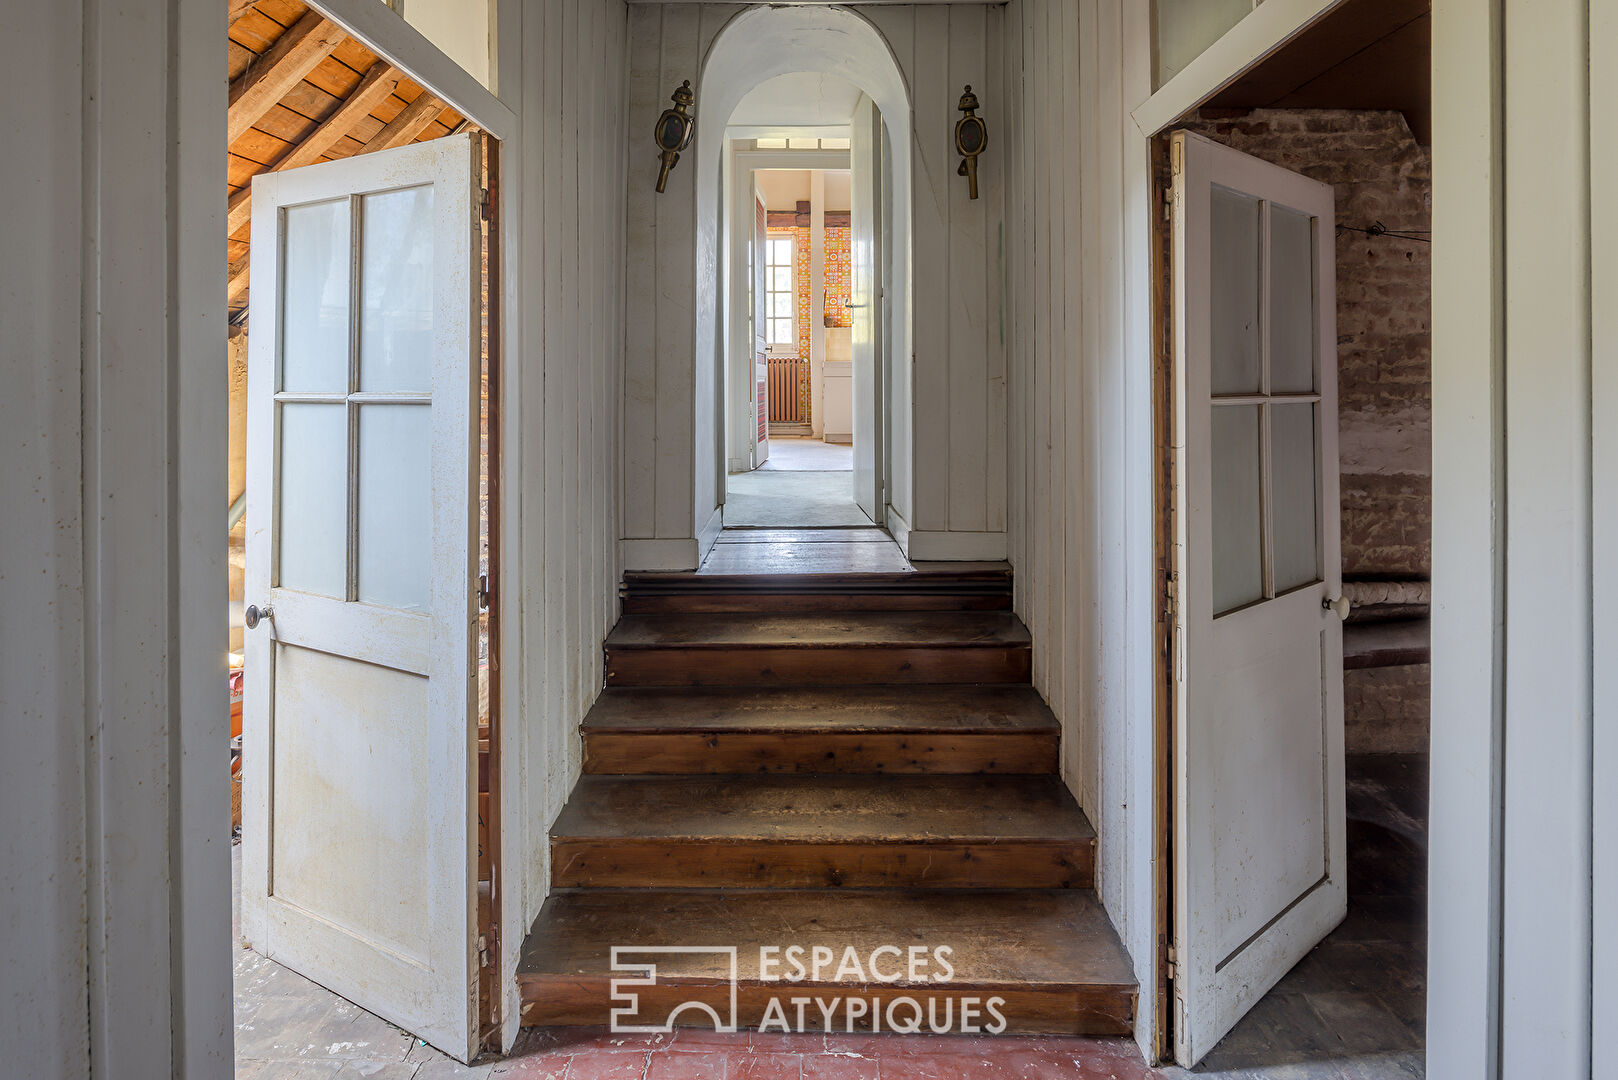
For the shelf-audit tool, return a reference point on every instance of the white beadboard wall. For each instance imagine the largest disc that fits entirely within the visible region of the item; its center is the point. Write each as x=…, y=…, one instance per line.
x=1080, y=421
x=572, y=322
x=952, y=489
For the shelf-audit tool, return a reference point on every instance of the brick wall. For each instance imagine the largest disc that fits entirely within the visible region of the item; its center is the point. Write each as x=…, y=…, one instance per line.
x=1384, y=364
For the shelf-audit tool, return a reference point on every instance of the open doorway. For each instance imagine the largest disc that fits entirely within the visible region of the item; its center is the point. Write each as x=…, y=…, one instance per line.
x=1340, y=112
x=802, y=471
x=804, y=183
x=364, y=240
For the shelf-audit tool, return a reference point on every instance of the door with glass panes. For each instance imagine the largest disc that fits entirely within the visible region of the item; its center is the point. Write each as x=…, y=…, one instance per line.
x=360, y=727
x=1259, y=869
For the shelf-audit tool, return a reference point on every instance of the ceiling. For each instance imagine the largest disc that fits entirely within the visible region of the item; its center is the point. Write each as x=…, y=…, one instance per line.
x=801, y=99
x=1363, y=54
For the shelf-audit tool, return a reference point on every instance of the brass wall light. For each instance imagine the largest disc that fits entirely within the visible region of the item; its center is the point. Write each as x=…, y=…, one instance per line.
x=971, y=136
x=674, y=130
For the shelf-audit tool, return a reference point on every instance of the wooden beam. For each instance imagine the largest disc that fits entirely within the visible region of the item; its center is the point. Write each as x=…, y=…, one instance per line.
x=236, y=280
x=268, y=79
x=410, y=122
x=378, y=83
x=236, y=9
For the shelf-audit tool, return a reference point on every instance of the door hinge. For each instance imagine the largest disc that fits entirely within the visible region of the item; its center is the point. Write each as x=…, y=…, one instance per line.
x=1171, y=605
x=483, y=950
x=484, y=207
x=1173, y=964
x=483, y=592
x=1177, y=156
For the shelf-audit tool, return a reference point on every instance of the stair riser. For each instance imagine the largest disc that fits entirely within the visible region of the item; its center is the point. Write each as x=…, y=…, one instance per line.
x=834, y=666
x=818, y=752
x=1091, y=1010
x=697, y=864
x=806, y=603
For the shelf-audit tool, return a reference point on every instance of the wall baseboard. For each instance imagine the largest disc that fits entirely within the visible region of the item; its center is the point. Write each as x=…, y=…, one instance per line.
x=898, y=528
x=835, y=438
x=659, y=554
x=709, y=533
x=955, y=546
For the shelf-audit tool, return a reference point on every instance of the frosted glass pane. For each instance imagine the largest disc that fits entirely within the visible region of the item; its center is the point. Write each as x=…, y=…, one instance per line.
x=396, y=279
x=1237, y=526
x=1233, y=278
x=781, y=304
x=781, y=278
x=313, y=520
x=395, y=505
x=314, y=298
x=1292, y=479
x=1292, y=302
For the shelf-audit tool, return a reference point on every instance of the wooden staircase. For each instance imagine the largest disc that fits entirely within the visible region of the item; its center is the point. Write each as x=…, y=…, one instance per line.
x=829, y=762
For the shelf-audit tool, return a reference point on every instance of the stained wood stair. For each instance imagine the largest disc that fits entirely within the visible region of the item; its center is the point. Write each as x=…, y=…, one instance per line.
x=836, y=761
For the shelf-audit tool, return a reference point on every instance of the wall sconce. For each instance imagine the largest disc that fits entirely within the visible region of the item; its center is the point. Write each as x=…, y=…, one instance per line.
x=971, y=136
x=674, y=130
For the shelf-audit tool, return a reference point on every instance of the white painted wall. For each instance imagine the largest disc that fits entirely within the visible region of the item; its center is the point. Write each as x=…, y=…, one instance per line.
x=955, y=482
x=115, y=926
x=572, y=321
x=1079, y=414
x=458, y=27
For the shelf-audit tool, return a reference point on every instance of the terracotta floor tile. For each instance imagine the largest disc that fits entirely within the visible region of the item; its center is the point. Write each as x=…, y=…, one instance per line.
x=788, y=1042
x=706, y=1040
x=763, y=1066
x=686, y=1066
x=601, y=1066
x=839, y=1067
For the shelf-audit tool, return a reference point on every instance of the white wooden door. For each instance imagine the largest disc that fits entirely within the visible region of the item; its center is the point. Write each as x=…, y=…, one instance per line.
x=761, y=337
x=359, y=721
x=1258, y=815
x=865, y=228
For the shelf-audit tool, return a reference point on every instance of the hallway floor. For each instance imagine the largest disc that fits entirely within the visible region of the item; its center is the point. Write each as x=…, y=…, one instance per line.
x=805, y=483
x=1351, y=1010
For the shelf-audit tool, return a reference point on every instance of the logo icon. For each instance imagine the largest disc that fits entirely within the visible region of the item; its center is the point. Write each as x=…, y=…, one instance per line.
x=630, y=1017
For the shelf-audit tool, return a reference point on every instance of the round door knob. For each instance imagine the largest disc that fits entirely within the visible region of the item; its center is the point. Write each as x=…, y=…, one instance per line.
x=254, y=613
x=1342, y=605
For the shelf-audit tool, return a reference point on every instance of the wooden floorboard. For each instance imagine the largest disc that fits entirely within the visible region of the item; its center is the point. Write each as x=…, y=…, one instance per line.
x=831, y=710
x=858, y=630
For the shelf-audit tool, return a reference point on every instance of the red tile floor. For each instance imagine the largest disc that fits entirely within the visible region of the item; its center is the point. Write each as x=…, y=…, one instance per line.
x=1351, y=1010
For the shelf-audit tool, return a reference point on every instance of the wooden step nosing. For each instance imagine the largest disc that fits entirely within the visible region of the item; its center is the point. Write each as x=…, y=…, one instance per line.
x=1049, y=729
x=849, y=986
x=807, y=841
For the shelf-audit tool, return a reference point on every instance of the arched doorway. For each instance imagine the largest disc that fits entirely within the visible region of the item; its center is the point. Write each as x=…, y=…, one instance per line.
x=757, y=46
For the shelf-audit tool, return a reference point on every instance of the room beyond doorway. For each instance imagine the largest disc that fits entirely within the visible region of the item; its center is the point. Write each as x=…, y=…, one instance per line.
x=806, y=483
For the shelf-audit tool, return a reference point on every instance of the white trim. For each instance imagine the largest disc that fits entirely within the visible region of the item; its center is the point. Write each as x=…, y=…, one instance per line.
x=385, y=32
x=1468, y=607
x=645, y=554
x=748, y=160
x=897, y=527
x=708, y=535
x=935, y=546
x=1271, y=24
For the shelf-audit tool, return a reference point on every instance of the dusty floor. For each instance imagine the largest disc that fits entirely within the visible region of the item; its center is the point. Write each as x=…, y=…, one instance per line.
x=1351, y=1010
x=795, y=454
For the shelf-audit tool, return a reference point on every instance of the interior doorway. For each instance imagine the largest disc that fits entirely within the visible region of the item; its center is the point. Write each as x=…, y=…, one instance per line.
x=1351, y=993
x=364, y=239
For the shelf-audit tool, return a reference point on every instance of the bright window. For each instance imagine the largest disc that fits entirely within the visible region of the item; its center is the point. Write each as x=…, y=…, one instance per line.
x=780, y=300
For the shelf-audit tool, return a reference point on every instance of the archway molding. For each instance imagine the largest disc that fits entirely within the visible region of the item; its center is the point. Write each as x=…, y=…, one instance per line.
x=758, y=44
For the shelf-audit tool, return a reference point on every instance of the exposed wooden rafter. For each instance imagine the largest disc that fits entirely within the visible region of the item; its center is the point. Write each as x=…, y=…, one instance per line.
x=411, y=121
x=378, y=83
x=269, y=78
x=236, y=9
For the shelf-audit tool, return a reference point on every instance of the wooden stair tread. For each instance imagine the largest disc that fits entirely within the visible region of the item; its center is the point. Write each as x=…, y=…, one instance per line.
x=785, y=809
x=1022, y=938
x=875, y=630
x=964, y=709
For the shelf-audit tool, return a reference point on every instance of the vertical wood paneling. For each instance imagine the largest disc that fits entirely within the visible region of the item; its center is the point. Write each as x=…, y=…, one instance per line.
x=950, y=465
x=675, y=298
x=575, y=383
x=967, y=285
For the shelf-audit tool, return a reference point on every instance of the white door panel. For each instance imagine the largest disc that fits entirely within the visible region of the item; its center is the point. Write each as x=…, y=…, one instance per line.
x=1259, y=823
x=865, y=221
x=761, y=337
x=359, y=720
